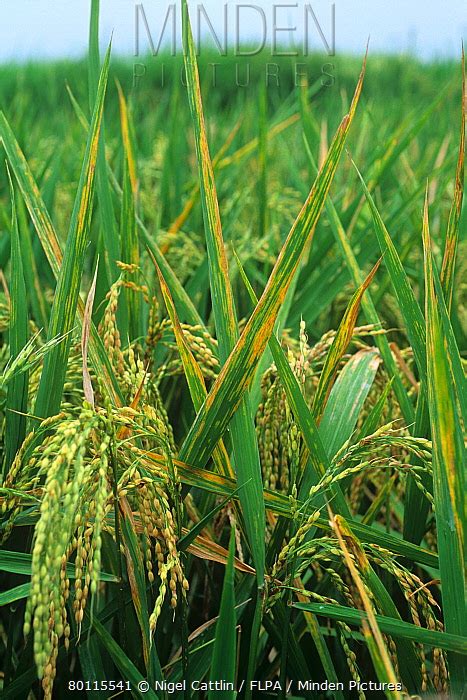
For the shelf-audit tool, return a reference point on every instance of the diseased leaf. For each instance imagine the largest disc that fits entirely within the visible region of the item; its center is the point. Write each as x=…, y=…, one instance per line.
x=448, y=466
x=452, y=233
x=245, y=448
x=238, y=371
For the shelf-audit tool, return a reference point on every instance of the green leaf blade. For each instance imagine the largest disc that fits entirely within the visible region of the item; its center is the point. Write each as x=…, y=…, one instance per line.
x=448, y=467
x=62, y=318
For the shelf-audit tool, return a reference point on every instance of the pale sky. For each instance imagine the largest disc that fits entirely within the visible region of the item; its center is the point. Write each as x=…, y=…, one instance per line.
x=59, y=28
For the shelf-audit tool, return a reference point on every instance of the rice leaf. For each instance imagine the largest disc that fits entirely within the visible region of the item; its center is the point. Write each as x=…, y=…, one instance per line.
x=186, y=309
x=62, y=317
x=410, y=309
x=136, y=578
x=224, y=655
x=20, y=563
x=454, y=358
x=368, y=306
x=279, y=504
x=110, y=250
x=316, y=450
x=262, y=161
x=238, y=371
x=193, y=374
x=50, y=243
x=125, y=666
x=245, y=448
x=448, y=467
x=393, y=627
x=320, y=642
x=129, y=240
x=39, y=306
x=14, y=594
x=193, y=533
x=371, y=631
x=417, y=506
x=452, y=234
x=347, y=398
x=17, y=393
x=339, y=347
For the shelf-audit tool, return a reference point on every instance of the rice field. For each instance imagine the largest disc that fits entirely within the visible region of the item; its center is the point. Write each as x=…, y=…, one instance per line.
x=232, y=379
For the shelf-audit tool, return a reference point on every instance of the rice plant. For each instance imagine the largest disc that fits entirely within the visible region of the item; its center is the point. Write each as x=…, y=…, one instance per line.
x=232, y=384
